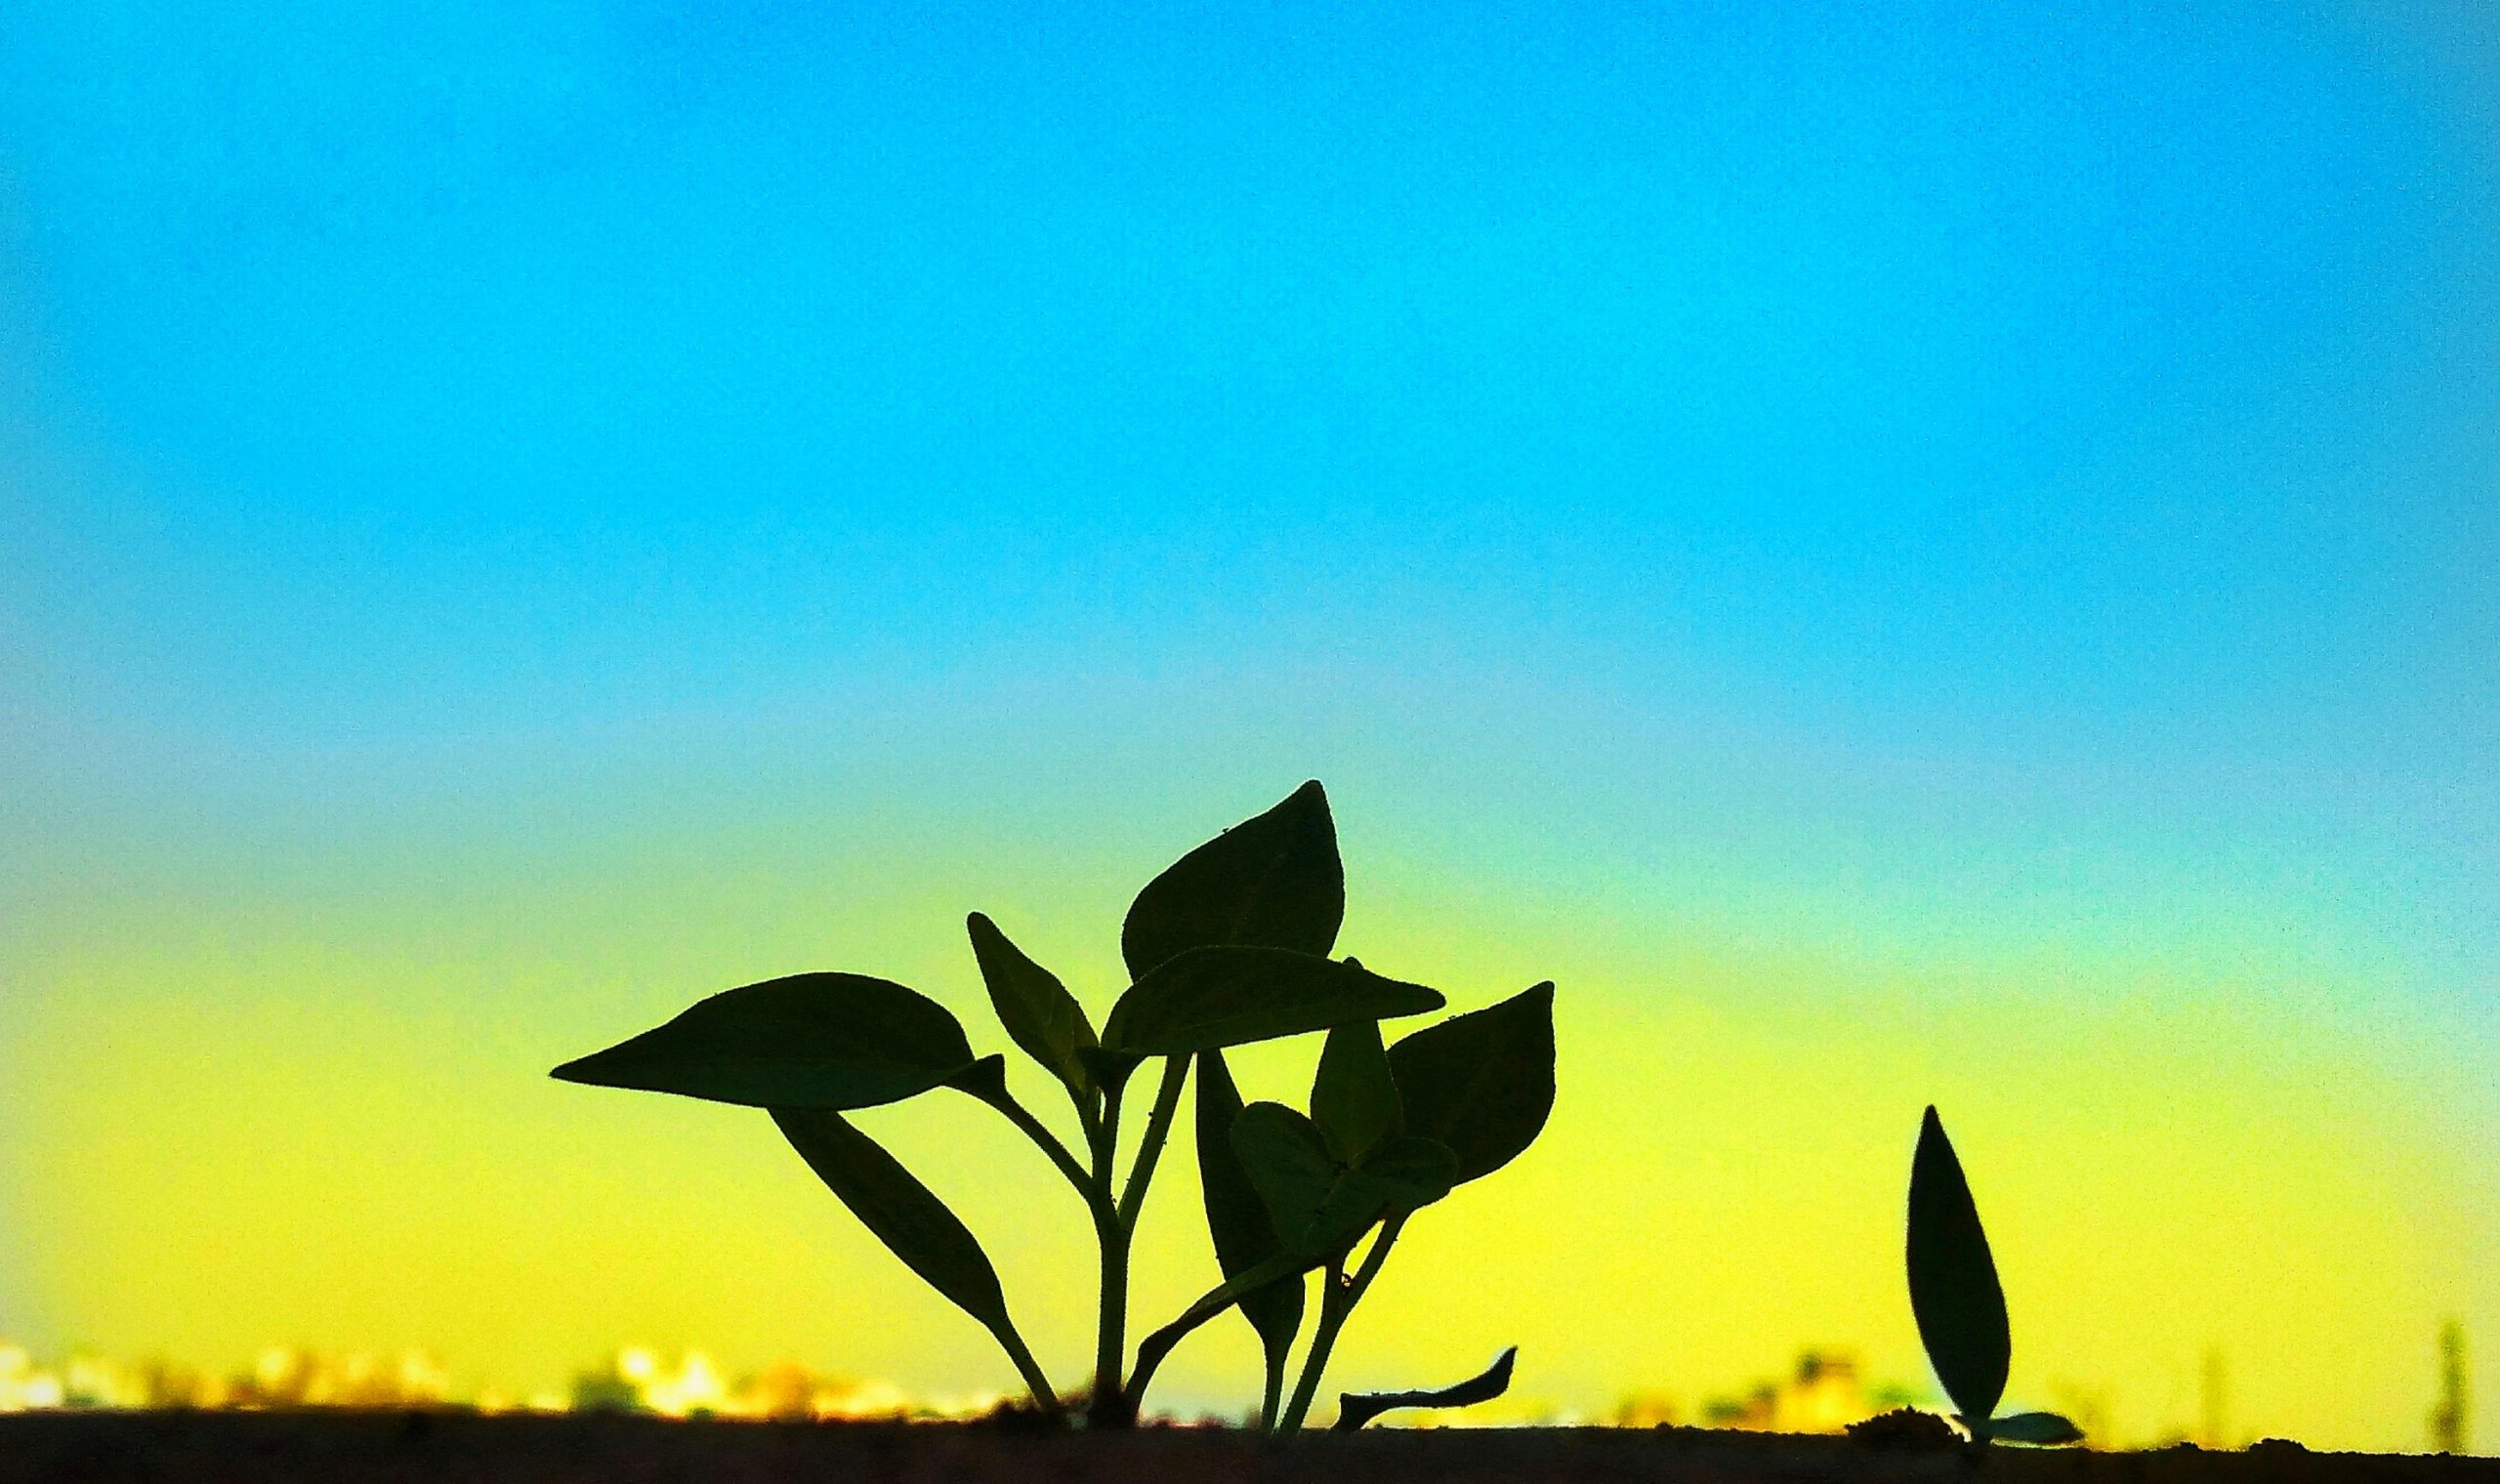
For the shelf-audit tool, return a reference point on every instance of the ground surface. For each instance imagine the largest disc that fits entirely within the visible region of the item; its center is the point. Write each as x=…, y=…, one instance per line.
x=266, y=1448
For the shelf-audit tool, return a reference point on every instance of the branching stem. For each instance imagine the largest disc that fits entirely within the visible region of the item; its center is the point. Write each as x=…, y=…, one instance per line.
x=1337, y=1298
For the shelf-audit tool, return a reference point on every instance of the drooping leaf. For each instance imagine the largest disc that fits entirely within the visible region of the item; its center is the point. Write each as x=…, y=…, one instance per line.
x=1954, y=1293
x=808, y=1041
x=1355, y=1408
x=1244, y=1233
x=1481, y=1083
x=1354, y=1099
x=1208, y=998
x=1040, y=1015
x=903, y=1214
x=2042, y=1428
x=1273, y=880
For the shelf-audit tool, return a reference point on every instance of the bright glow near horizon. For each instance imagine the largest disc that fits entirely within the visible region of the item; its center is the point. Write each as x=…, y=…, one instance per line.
x=1899, y=560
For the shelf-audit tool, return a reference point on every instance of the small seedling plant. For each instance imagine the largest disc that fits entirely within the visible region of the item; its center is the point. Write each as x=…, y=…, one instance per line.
x=1226, y=946
x=1958, y=1303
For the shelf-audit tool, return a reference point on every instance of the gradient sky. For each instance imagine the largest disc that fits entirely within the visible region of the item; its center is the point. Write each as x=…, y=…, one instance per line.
x=1944, y=555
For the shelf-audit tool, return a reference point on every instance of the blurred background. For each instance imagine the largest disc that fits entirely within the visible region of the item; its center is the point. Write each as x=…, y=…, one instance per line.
x=1929, y=556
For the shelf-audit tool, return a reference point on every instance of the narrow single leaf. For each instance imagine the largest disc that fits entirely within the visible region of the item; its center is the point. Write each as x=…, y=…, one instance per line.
x=1954, y=1293
x=1481, y=1083
x=1217, y=997
x=1238, y=1219
x=1355, y=1408
x=1040, y=1015
x=808, y=1041
x=903, y=1214
x=1354, y=1099
x=2044, y=1428
x=1273, y=880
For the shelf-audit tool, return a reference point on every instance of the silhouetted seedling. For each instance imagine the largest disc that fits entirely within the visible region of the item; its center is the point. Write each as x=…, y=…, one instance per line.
x=1958, y=1303
x=1229, y=945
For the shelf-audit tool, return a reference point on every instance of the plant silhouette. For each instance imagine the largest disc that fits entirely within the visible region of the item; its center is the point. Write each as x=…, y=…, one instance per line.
x=1226, y=946
x=1958, y=1303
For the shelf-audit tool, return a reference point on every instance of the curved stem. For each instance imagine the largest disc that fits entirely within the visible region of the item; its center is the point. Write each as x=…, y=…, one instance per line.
x=1043, y=1139
x=1216, y=1301
x=1045, y=1395
x=1337, y=1302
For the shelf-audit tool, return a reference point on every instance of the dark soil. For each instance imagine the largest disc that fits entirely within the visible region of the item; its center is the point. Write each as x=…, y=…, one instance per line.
x=453, y=1447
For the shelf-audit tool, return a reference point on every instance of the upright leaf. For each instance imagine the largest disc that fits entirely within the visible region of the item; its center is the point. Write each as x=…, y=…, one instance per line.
x=903, y=1214
x=1954, y=1293
x=1273, y=880
x=1481, y=1083
x=1354, y=1099
x=1217, y=997
x=808, y=1041
x=1040, y=1015
x=1355, y=1408
x=1244, y=1233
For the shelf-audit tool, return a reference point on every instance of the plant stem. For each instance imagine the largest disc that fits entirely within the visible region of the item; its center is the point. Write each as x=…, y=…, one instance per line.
x=1275, y=1389
x=1043, y=1139
x=1111, y=1332
x=1045, y=1396
x=1158, y=1125
x=1337, y=1302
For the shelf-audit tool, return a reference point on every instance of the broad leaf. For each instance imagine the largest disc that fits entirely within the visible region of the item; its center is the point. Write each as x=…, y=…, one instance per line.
x=1040, y=1015
x=1354, y=1099
x=1355, y=1408
x=1244, y=1233
x=1481, y=1083
x=1273, y=880
x=1954, y=1293
x=903, y=1214
x=1317, y=1204
x=1289, y=1166
x=1402, y=1174
x=809, y=1040
x=1217, y=997
x=2045, y=1428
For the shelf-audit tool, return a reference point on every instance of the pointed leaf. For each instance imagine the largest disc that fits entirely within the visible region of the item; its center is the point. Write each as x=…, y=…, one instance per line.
x=1244, y=1233
x=1481, y=1083
x=1354, y=1099
x=1273, y=881
x=1954, y=1293
x=808, y=1041
x=2045, y=1428
x=903, y=1214
x=1040, y=1015
x=1217, y=997
x=1355, y=1408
